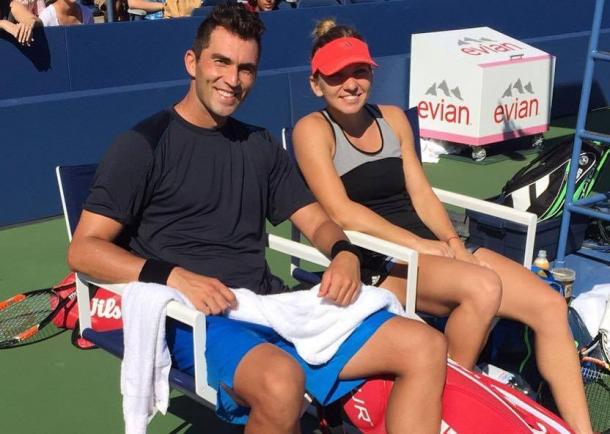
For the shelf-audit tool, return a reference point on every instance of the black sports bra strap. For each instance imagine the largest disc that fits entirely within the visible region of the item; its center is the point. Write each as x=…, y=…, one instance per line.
x=373, y=109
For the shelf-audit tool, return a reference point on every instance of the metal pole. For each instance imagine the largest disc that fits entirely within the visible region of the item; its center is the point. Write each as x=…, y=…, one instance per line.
x=580, y=129
x=110, y=10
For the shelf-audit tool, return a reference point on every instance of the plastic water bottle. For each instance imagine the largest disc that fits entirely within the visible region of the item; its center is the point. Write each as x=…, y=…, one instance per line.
x=541, y=260
x=541, y=264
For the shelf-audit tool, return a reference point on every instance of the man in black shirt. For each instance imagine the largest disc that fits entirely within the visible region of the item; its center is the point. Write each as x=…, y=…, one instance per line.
x=193, y=187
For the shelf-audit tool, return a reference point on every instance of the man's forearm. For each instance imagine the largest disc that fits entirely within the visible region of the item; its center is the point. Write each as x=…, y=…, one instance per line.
x=148, y=6
x=326, y=235
x=104, y=260
x=318, y=227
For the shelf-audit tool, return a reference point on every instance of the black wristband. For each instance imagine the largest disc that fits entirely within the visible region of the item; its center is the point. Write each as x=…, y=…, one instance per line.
x=155, y=271
x=345, y=246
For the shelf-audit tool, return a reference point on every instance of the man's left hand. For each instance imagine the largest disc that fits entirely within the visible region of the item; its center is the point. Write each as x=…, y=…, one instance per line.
x=341, y=281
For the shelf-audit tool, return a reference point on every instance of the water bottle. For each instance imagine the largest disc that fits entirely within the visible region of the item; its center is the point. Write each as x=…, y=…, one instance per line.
x=541, y=264
x=541, y=260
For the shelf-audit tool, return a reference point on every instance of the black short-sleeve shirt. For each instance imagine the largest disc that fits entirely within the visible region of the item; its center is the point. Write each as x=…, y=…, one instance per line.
x=199, y=197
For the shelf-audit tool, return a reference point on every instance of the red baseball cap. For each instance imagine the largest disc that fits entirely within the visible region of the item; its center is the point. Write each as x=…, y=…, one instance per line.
x=339, y=53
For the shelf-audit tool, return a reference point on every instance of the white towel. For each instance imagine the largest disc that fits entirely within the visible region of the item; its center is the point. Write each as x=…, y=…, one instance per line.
x=604, y=331
x=146, y=360
x=591, y=305
x=315, y=326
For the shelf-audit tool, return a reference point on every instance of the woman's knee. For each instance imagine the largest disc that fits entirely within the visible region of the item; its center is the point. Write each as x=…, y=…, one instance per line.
x=549, y=310
x=485, y=292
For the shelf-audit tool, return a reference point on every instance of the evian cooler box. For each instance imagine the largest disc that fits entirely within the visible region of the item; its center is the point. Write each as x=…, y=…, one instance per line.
x=477, y=86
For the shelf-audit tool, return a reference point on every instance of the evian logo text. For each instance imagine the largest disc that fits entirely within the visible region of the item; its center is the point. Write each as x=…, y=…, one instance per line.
x=444, y=110
x=105, y=308
x=517, y=102
x=482, y=46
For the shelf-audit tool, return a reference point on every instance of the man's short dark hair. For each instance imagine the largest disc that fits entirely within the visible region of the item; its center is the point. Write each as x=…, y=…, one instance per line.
x=234, y=18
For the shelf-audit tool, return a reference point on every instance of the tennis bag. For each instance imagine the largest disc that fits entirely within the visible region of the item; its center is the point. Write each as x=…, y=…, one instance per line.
x=540, y=187
x=105, y=311
x=472, y=404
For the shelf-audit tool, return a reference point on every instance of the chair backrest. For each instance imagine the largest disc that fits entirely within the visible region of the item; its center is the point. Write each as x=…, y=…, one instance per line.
x=74, y=183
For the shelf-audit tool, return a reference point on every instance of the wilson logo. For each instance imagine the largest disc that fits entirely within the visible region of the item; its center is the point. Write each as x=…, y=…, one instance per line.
x=516, y=103
x=444, y=110
x=483, y=46
x=105, y=308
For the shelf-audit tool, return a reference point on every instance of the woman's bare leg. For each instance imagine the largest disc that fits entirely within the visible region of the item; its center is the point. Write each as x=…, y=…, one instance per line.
x=417, y=355
x=526, y=298
x=468, y=293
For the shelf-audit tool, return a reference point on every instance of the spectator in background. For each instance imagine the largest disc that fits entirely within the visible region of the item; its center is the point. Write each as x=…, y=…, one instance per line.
x=180, y=8
x=154, y=8
x=66, y=13
x=34, y=6
x=120, y=9
x=261, y=5
x=18, y=20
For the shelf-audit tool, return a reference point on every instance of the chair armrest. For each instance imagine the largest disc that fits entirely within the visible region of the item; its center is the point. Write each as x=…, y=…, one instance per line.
x=387, y=248
x=175, y=310
x=504, y=212
x=398, y=252
x=137, y=12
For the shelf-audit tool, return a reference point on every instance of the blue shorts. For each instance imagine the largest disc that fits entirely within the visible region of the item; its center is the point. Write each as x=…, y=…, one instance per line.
x=229, y=340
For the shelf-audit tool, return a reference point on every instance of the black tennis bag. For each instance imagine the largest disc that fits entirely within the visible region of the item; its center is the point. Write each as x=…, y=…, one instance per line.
x=540, y=187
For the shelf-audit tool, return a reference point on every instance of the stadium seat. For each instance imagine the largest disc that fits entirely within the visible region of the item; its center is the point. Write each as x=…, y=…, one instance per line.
x=316, y=3
x=136, y=14
x=203, y=11
x=347, y=2
x=283, y=4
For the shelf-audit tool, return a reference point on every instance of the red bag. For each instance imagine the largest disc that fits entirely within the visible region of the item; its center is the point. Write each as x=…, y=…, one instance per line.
x=472, y=403
x=105, y=311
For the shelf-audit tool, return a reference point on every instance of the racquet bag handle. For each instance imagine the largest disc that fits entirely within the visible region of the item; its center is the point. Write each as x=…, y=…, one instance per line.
x=105, y=307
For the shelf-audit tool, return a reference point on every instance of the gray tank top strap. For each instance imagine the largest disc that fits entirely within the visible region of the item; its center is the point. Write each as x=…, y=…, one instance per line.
x=348, y=157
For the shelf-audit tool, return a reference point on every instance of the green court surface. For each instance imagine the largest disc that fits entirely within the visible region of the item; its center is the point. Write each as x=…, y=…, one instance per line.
x=51, y=387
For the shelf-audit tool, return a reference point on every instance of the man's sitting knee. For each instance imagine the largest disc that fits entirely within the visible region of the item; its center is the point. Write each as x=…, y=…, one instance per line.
x=434, y=347
x=281, y=380
x=423, y=349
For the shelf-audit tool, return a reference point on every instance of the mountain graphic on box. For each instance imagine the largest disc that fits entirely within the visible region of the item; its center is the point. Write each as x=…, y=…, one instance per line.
x=469, y=40
x=519, y=87
x=444, y=87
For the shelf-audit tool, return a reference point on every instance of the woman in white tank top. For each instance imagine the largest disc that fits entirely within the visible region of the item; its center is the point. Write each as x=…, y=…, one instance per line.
x=66, y=13
x=471, y=288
